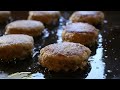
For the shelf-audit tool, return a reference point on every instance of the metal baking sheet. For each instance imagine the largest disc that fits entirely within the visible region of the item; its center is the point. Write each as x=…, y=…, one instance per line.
x=104, y=60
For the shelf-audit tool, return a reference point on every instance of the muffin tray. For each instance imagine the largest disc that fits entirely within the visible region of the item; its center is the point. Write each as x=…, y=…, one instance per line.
x=104, y=60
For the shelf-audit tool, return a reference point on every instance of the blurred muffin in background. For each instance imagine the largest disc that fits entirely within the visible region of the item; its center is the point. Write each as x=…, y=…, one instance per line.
x=29, y=27
x=4, y=16
x=91, y=17
x=47, y=17
x=19, y=15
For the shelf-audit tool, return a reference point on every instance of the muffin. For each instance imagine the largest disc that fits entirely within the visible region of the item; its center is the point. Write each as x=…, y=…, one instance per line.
x=66, y=56
x=4, y=16
x=29, y=27
x=15, y=46
x=91, y=17
x=82, y=33
x=47, y=17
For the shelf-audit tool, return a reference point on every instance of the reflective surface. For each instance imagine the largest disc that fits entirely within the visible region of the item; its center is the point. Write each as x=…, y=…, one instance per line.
x=104, y=60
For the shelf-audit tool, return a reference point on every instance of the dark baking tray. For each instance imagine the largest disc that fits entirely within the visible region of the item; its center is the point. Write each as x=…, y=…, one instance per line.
x=104, y=60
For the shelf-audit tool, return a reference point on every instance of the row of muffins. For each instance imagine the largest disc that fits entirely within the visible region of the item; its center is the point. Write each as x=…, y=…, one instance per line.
x=35, y=23
x=43, y=16
x=91, y=17
x=68, y=55
x=34, y=28
x=71, y=54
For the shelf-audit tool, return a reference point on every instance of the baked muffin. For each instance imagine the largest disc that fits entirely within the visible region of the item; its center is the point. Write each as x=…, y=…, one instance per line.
x=66, y=56
x=4, y=16
x=91, y=17
x=15, y=46
x=29, y=27
x=82, y=33
x=47, y=17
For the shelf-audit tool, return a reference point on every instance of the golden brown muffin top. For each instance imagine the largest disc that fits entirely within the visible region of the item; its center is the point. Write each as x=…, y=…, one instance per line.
x=15, y=39
x=25, y=24
x=38, y=13
x=88, y=13
x=66, y=49
x=4, y=12
x=80, y=27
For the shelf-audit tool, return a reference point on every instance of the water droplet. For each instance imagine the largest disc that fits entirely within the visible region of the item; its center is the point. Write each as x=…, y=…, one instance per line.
x=110, y=41
x=35, y=54
x=105, y=50
x=103, y=63
x=46, y=33
x=105, y=42
x=115, y=58
x=113, y=38
x=106, y=56
x=52, y=32
x=104, y=31
x=61, y=19
x=105, y=21
x=105, y=74
x=109, y=71
x=29, y=68
x=39, y=47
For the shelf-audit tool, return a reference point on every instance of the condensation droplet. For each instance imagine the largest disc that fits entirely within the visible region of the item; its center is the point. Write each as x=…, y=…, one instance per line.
x=113, y=38
x=115, y=58
x=109, y=71
x=103, y=63
x=110, y=41
x=105, y=50
x=106, y=56
x=105, y=21
x=105, y=74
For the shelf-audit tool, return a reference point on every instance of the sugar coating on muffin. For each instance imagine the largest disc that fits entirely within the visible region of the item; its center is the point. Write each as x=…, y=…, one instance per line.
x=64, y=56
x=47, y=17
x=91, y=17
x=29, y=27
x=83, y=33
x=15, y=46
